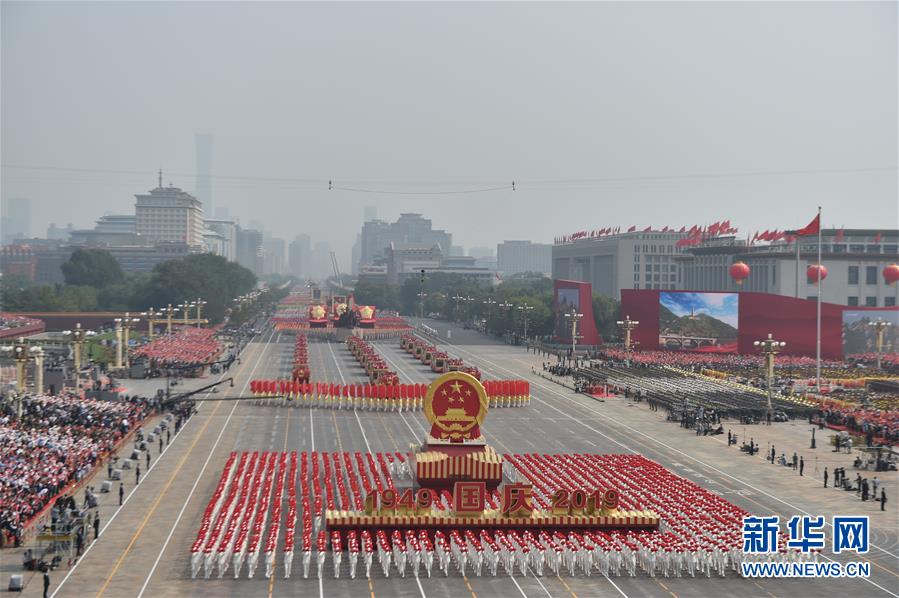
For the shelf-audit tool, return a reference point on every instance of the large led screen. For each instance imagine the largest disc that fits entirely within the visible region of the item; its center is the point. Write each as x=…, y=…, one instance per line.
x=860, y=331
x=702, y=322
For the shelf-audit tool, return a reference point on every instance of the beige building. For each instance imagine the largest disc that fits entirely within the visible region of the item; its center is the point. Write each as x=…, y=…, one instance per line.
x=170, y=214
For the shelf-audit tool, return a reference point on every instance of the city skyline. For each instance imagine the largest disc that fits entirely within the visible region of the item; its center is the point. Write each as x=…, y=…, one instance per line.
x=651, y=127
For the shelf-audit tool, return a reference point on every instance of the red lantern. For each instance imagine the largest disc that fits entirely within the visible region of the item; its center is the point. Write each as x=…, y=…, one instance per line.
x=739, y=272
x=891, y=273
x=816, y=272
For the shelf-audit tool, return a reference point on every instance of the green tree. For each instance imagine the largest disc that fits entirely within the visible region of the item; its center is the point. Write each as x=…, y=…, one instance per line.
x=92, y=267
x=209, y=277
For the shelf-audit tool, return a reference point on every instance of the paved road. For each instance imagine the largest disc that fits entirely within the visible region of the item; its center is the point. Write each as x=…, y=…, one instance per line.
x=144, y=552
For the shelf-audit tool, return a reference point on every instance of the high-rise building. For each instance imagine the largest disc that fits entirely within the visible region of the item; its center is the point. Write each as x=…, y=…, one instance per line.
x=16, y=219
x=410, y=228
x=169, y=214
x=322, y=260
x=203, y=143
x=56, y=233
x=249, y=249
x=299, y=256
x=227, y=230
x=356, y=255
x=369, y=213
x=275, y=255
x=515, y=257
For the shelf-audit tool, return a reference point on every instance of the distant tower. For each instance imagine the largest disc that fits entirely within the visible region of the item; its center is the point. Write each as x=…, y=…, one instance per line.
x=203, y=142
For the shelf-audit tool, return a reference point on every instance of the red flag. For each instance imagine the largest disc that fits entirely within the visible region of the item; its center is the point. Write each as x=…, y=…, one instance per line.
x=838, y=237
x=632, y=229
x=812, y=228
x=682, y=229
x=647, y=229
x=877, y=237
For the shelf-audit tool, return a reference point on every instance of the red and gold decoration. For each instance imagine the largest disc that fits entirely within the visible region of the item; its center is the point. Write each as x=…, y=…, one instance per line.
x=891, y=274
x=739, y=272
x=455, y=406
x=816, y=273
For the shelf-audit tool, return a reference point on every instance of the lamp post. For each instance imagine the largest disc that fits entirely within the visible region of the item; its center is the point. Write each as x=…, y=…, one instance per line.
x=186, y=307
x=199, y=303
x=628, y=326
x=769, y=348
x=151, y=315
x=524, y=309
x=457, y=299
x=118, y=343
x=421, y=303
x=128, y=323
x=77, y=337
x=488, y=302
x=574, y=317
x=169, y=311
x=879, y=327
x=21, y=353
x=38, y=354
x=505, y=305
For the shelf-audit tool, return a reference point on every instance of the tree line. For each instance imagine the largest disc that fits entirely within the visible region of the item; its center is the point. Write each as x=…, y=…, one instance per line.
x=453, y=297
x=94, y=281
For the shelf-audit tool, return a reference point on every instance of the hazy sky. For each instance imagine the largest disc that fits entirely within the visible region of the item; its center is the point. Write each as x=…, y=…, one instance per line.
x=603, y=114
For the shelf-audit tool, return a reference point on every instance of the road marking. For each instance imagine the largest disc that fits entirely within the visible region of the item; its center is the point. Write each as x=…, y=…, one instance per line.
x=692, y=458
x=127, y=498
x=190, y=494
x=271, y=580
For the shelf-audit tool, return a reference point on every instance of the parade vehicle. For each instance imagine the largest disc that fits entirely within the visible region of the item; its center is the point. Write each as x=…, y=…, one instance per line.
x=439, y=362
x=428, y=354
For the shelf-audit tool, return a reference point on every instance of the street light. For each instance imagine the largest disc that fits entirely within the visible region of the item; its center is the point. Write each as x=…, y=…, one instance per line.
x=125, y=323
x=489, y=302
x=879, y=327
x=21, y=353
x=151, y=315
x=524, y=309
x=421, y=303
x=769, y=348
x=77, y=338
x=168, y=311
x=574, y=317
x=628, y=326
x=199, y=303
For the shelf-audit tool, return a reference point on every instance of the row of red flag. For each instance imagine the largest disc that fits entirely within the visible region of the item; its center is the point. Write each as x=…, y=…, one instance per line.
x=694, y=232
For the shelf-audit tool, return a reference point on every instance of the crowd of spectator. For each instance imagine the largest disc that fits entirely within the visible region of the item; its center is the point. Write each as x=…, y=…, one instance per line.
x=876, y=425
x=57, y=441
x=13, y=325
x=187, y=347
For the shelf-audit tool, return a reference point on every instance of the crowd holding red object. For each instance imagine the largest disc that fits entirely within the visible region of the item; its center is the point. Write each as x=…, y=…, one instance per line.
x=380, y=397
x=186, y=347
x=301, y=371
x=882, y=426
x=57, y=441
x=702, y=534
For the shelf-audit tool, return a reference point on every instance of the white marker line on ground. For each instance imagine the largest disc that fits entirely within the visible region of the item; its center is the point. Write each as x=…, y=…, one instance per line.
x=125, y=501
x=200, y=475
x=713, y=468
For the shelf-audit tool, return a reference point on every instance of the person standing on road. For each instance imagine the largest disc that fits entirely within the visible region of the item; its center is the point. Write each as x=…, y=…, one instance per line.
x=160, y=444
x=825, y=477
x=801, y=465
x=168, y=436
x=795, y=461
x=883, y=498
x=148, y=458
x=773, y=453
x=97, y=525
x=137, y=475
x=46, y=581
x=121, y=492
x=109, y=468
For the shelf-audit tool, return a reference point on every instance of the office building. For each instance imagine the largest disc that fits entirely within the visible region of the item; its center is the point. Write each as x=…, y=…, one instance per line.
x=377, y=235
x=227, y=231
x=203, y=146
x=854, y=259
x=15, y=219
x=633, y=260
x=516, y=257
x=299, y=256
x=168, y=214
x=275, y=256
x=56, y=233
x=249, y=249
